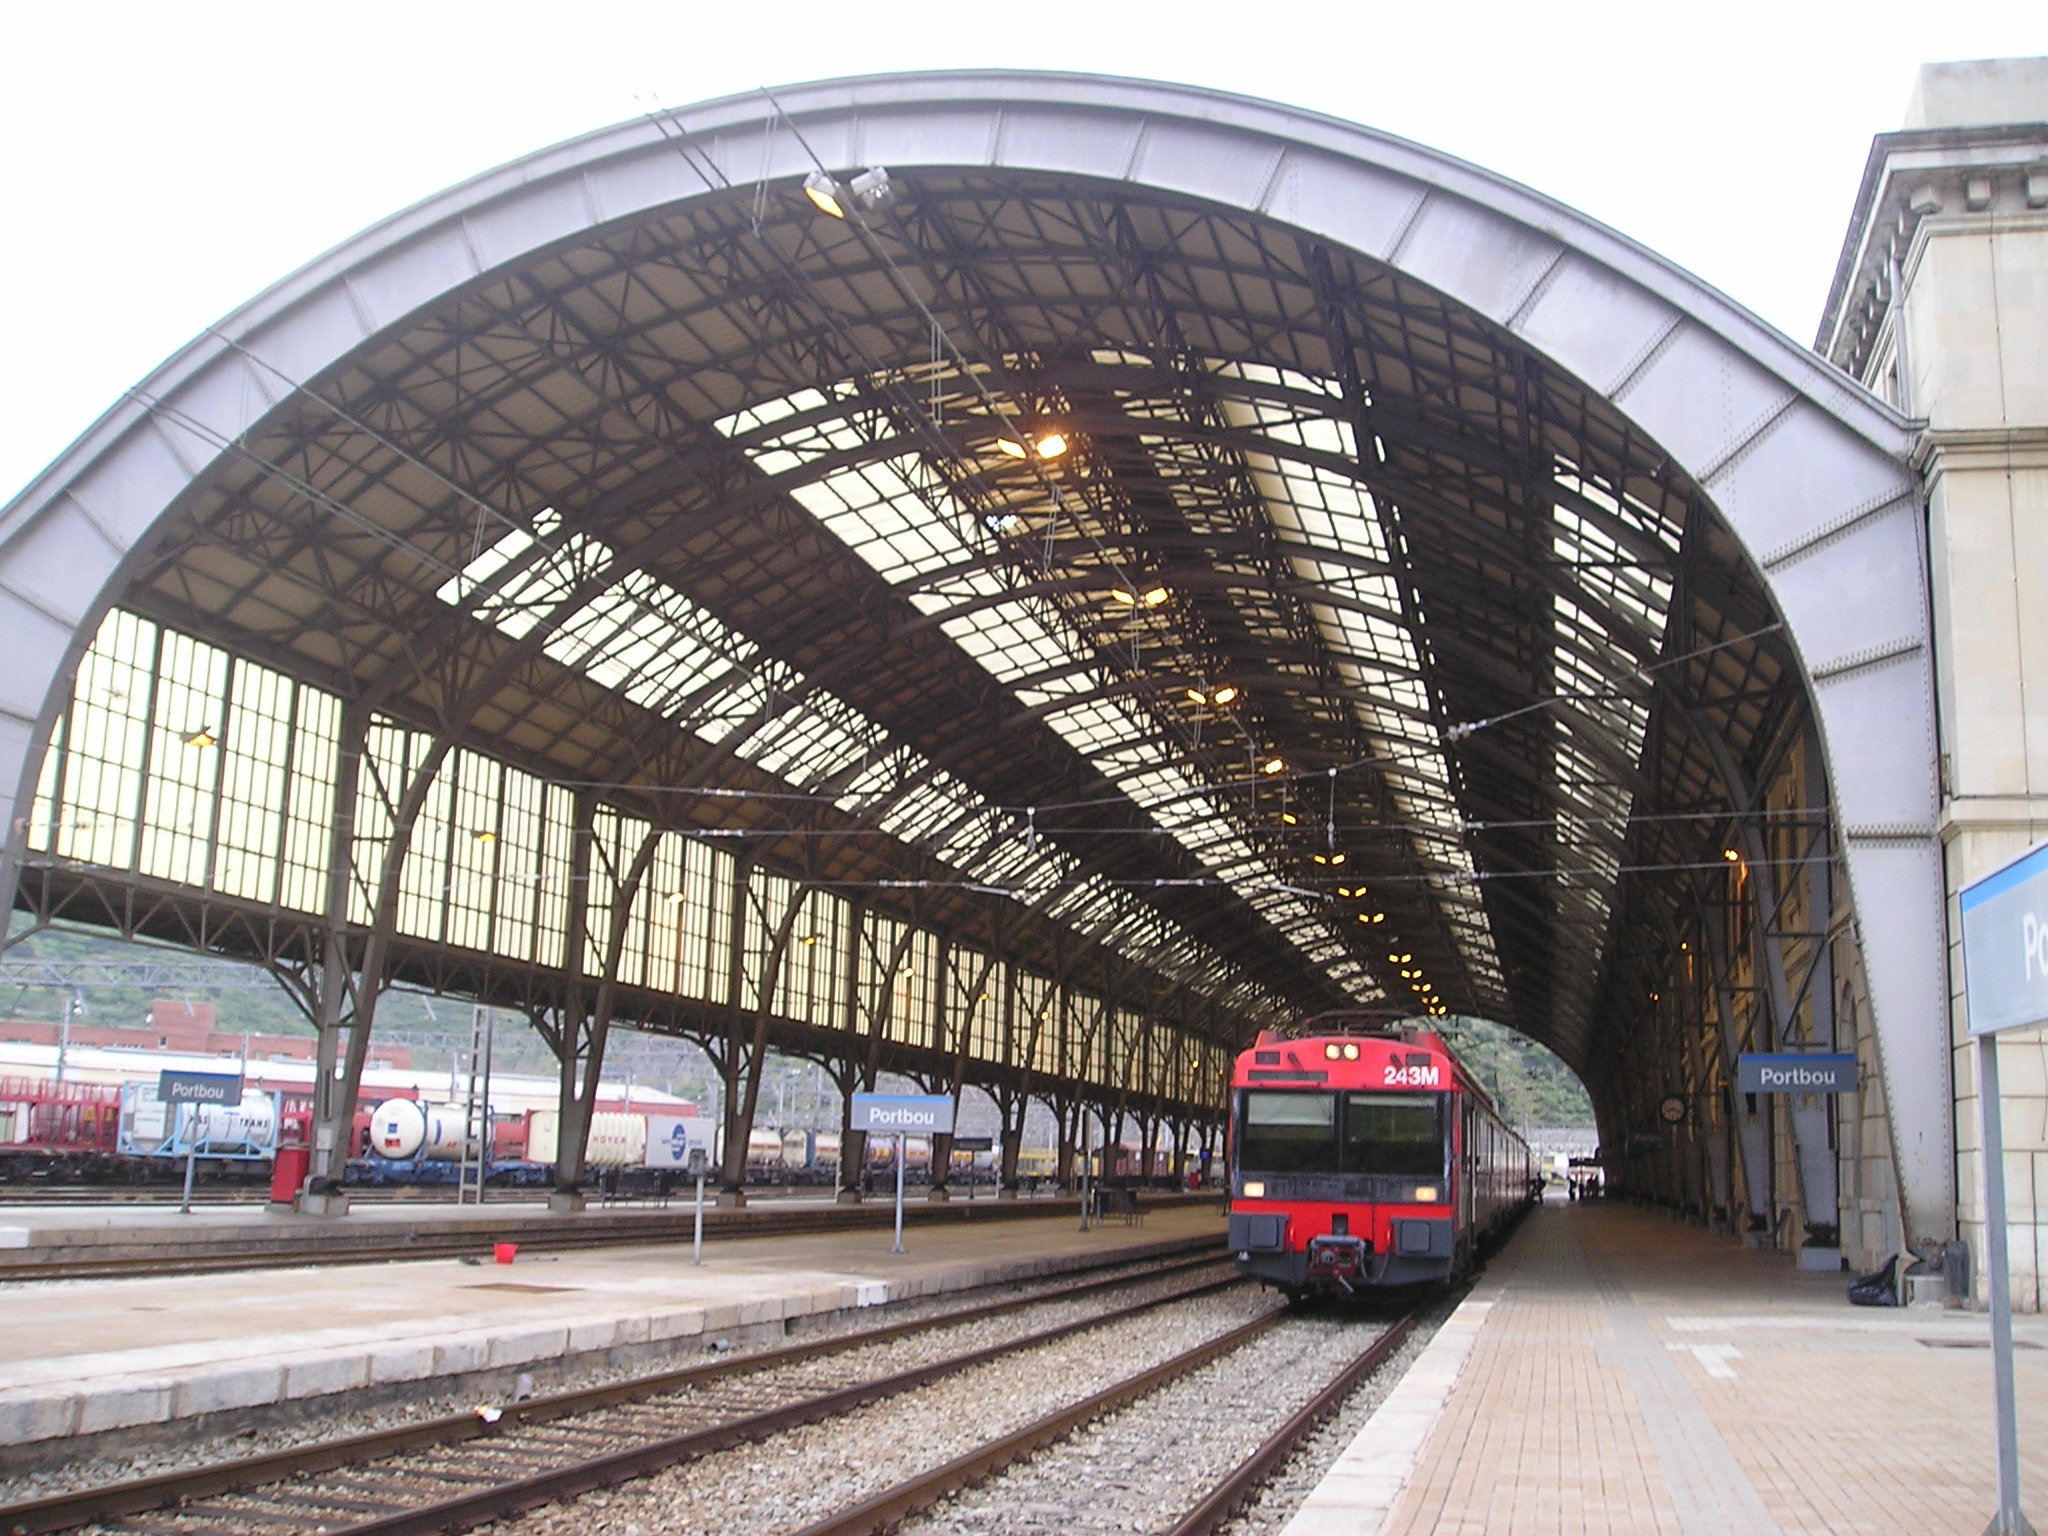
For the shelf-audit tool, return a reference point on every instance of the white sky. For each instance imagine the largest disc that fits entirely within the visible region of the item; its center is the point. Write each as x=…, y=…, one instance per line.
x=164, y=163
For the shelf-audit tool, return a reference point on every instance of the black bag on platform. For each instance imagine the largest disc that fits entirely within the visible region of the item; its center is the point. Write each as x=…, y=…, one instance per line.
x=1879, y=1288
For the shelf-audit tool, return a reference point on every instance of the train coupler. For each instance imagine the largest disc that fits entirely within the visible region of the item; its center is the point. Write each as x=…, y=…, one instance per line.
x=1339, y=1259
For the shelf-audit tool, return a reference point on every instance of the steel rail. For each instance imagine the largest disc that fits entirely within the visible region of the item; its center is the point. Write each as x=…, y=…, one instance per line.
x=889, y=1508
x=61, y=1512
x=620, y=1227
x=1228, y=1496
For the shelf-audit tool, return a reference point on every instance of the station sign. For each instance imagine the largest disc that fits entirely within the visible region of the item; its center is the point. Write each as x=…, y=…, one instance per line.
x=1796, y=1072
x=2005, y=945
x=912, y=1114
x=673, y=1140
x=974, y=1143
x=223, y=1088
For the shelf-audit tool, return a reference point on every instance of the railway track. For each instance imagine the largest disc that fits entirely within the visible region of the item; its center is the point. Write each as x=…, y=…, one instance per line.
x=601, y=1228
x=455, y=1472
x=1054, y=1454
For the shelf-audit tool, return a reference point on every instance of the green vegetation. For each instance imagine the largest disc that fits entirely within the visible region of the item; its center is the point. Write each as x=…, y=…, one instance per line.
x=1526, y=1081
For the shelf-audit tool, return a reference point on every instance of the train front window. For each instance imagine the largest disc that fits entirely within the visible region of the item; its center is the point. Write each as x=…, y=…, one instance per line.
x=1288, y=1132
x=1394, y=1133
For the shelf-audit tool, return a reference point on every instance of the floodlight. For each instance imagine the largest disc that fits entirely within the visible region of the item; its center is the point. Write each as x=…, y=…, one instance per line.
x=1226, y=695
x=484, y=835
x=1012, y=448
x=1052, y=445
x=1154, y=596
x=1196, y=696
x=825, y=193
x=1731, y=855
x=872, y=188
x=1123, y=596
x=1273, y=765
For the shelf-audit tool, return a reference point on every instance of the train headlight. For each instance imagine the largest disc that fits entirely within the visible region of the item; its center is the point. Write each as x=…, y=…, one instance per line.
x=1425, y=1194
x=1254, y=1189
x=1351, y=1053
x=1333, y=1050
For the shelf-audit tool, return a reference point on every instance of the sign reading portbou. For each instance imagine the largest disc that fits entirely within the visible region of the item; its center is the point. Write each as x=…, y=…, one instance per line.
x=1795, y=1073
x=911, y=1113
x=223, y=1088
x=2005, y=945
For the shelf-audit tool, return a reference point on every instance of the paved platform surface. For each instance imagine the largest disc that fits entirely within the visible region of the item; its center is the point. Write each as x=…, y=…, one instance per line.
x=1617, y=1371
x=90, y=1356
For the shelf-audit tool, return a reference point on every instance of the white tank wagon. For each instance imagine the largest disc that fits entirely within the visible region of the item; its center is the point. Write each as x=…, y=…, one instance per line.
x=151, y=1128
x=624, y=1139
x=404, y=1129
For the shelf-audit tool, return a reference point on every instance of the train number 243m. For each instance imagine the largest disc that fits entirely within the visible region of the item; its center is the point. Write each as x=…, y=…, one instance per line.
x=1398, y=1076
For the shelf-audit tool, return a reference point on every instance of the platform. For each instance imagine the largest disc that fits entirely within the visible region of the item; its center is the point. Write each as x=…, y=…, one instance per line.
x=101, y=1357
x=1617, y=1372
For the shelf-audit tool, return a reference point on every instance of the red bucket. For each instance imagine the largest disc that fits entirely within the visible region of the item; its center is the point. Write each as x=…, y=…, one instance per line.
x=504, y=1253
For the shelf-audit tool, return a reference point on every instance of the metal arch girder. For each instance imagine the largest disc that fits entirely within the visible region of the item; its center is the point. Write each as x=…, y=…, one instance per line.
x=1807, y=469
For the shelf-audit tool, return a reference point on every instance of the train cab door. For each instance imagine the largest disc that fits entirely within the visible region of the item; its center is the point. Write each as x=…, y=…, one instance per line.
x=1465, y=1164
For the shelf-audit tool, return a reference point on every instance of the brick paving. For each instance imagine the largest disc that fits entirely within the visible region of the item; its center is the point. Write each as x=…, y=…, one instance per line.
x=1619, y=1372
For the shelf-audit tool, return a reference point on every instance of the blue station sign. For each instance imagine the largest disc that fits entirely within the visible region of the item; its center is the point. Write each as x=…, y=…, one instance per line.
x=223, y=1088
x=1795, y=1072
x=2005, y=945
x=913, y=1114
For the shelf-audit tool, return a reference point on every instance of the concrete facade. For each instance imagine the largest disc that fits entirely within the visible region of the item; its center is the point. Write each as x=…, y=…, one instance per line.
x=1941, y=305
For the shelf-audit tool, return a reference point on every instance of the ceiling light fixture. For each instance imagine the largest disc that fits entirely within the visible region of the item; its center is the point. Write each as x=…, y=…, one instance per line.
x=872, y=188
x=1273, y=765
x=825, y=193
x=203, y=737
x=1154, y=596
x=1052, y=445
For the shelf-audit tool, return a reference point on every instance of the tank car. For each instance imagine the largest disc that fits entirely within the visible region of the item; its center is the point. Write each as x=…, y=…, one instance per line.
x=1365, y=1157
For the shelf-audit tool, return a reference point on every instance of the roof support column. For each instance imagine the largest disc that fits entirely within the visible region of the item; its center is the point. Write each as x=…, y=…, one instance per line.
x=334, y=1115
x=1752, y=1127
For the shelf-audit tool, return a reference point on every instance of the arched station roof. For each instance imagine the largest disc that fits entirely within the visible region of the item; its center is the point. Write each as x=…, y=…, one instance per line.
x=1523, y=552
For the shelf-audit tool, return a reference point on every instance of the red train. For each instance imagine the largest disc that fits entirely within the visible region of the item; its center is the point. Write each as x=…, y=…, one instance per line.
x=1362, y=1157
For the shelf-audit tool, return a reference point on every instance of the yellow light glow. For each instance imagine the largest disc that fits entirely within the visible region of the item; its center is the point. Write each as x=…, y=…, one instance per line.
x=1379, y=917
x=1012, y=448
x=1731, y=855
x=1196, y=696
x=1052, y=445
x=485, y=836
x=675, y=898
x=1125, y=597
x=1273, y=765
x=1289, y=819
x=823, y=191
x=1336, y=858
x=1425, y=1194
x=1332, y=1051
x=1350, y=1052
x=1226, y=695
x=203, y=737
x=1254, y=1189
x=810, y=939
x=1154, y=596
